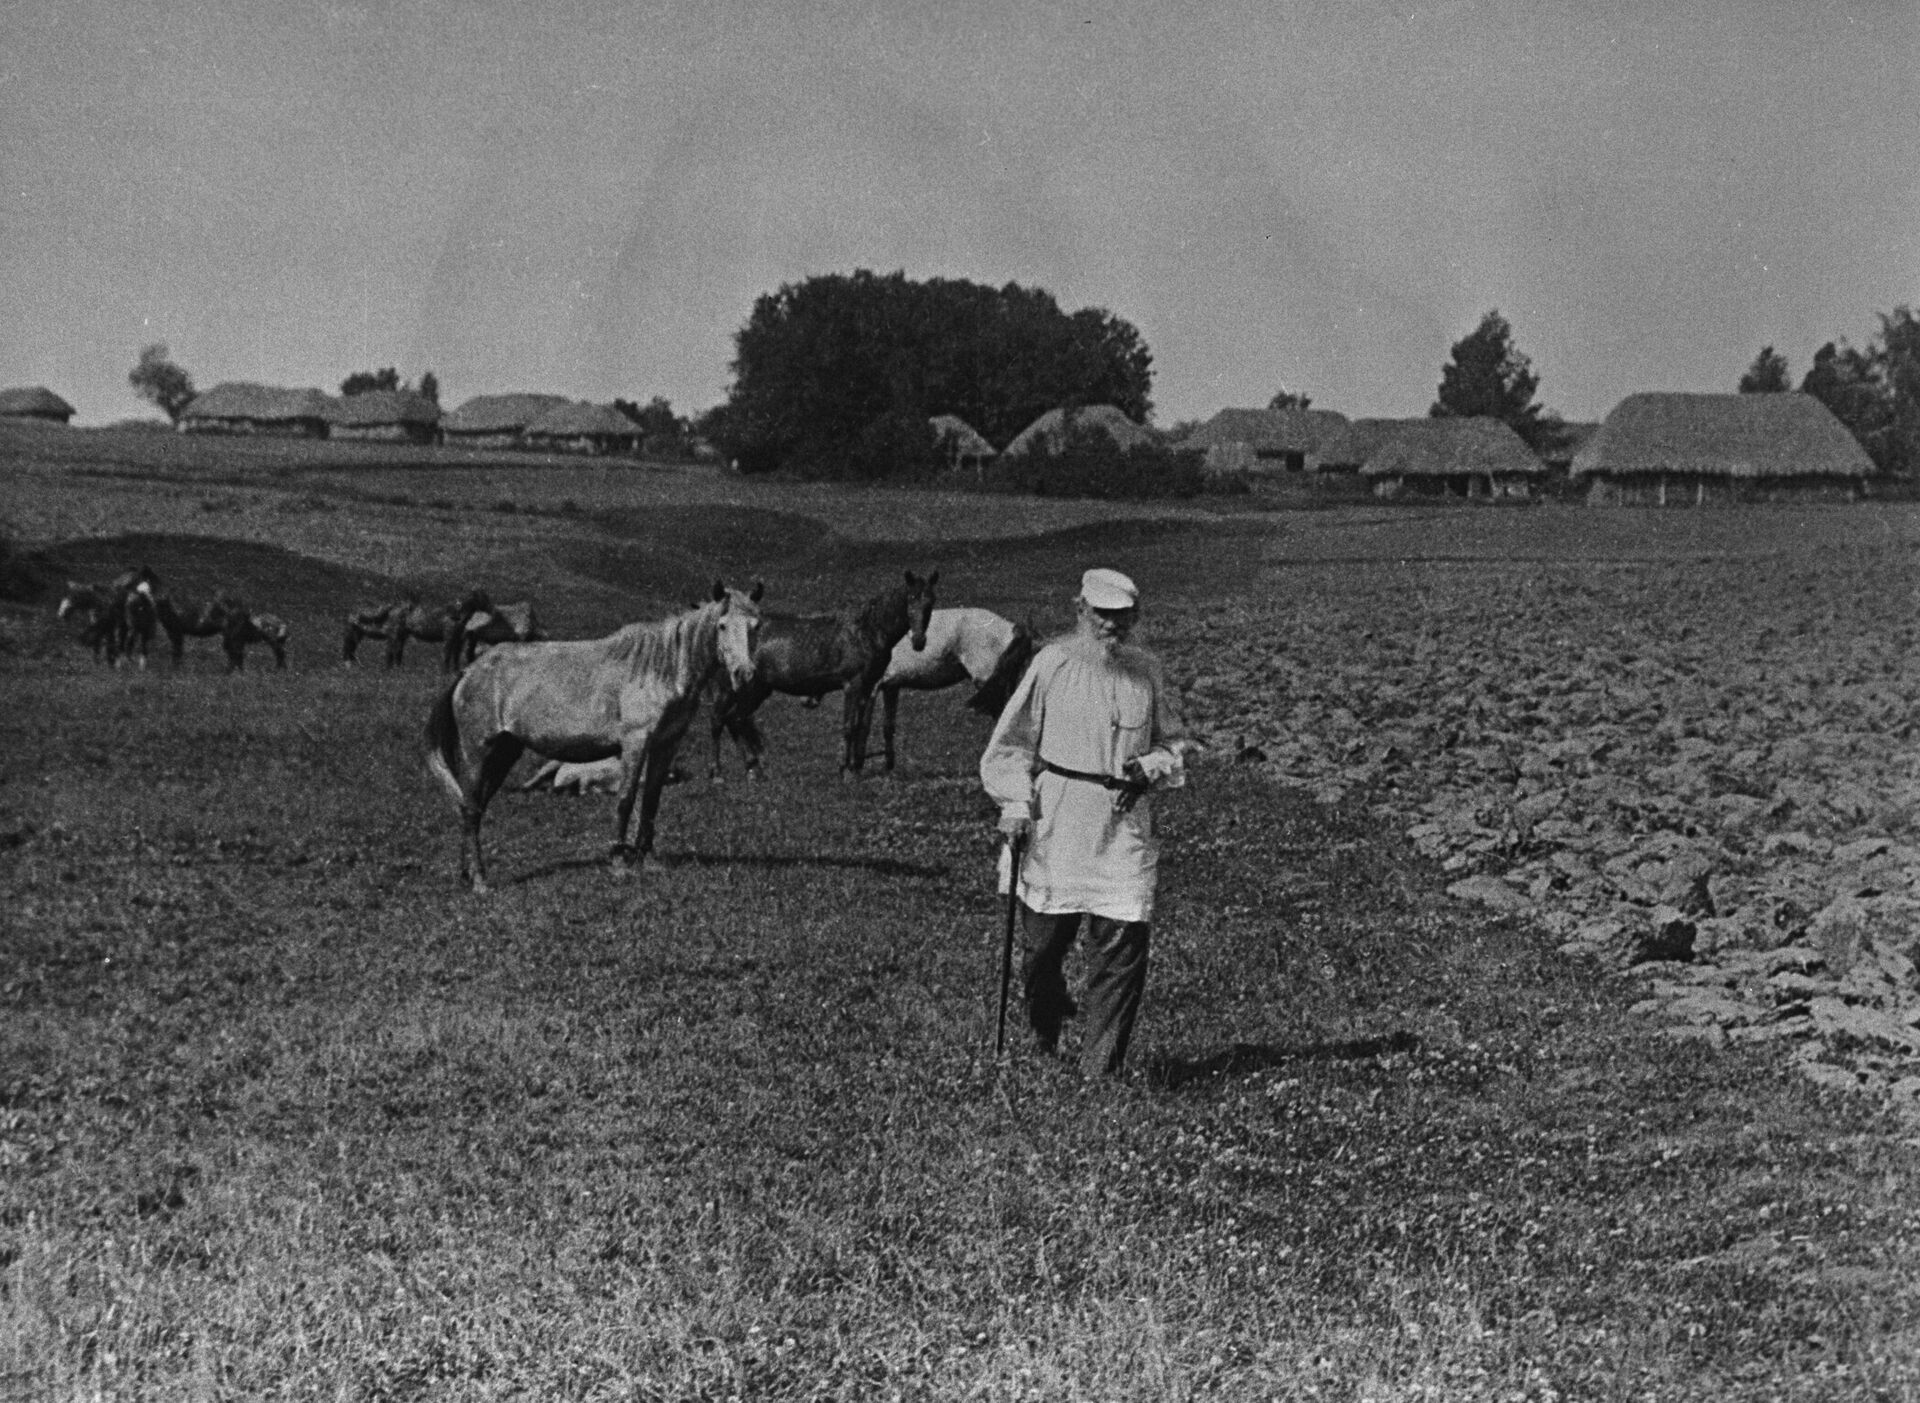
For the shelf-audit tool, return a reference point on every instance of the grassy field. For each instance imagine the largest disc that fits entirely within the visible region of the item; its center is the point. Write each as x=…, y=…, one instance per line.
x=285, y=1115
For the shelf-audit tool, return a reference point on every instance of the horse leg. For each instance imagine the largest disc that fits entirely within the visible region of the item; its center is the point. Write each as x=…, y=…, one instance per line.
x=396, y=645
x=717, y=725
x=633, y=767
x=497, y=759
x=890, y=704
x=857, y=724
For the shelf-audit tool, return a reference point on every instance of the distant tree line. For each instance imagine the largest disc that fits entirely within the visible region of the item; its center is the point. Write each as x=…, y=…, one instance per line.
x=837, y=375
x=1874, y=391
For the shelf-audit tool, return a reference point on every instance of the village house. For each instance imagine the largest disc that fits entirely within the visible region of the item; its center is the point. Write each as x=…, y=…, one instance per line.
x=1264, y=441
x=386, y=416
x=238, y=407
x=1455, y=457
x=1670, y=449
x=1346, y=450
x=495, y=421
x=583, y=428
x=1053, y=427
x=961, y=445
x=37, y=405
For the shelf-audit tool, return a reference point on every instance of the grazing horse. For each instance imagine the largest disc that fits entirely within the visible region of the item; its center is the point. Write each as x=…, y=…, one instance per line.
x=228, y=619
x=112, y=619
x=631, y=694
x=94, y=608
x=410, y=619
x=809, y=655
x=503, y=623
x=963, y=645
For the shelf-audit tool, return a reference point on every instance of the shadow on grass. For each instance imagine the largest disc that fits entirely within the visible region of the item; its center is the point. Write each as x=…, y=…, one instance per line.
x=885, y=866
x=1172, y=1073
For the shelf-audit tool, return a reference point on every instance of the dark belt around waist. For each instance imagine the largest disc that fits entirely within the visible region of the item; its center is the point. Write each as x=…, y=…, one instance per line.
x=1132, y=789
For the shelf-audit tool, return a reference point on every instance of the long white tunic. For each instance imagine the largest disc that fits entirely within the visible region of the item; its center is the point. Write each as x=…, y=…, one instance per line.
x=1086, y=707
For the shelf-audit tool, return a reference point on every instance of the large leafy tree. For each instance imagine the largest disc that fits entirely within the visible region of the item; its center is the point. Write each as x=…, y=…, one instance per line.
x=1767, y=375
x=820, y=361
x=160, y=382
x=1489, y=377
x=1287, y=399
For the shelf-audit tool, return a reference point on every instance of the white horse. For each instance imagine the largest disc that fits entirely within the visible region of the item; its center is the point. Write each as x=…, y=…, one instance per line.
x=630, y=695
x=963, y=645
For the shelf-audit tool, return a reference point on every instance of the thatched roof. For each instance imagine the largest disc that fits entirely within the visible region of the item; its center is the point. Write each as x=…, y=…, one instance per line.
x=1351, y=445
x=265, y=404
x=582, y=420
x=960, y=437
x=1739, y=436
x=499, y=414
x=378, y=407
x=1051, y=428
x=1268, y=430
x=1453, y=448
x=37, y=401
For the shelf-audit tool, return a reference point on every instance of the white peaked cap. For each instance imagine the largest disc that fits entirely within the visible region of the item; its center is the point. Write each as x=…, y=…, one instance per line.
x=1109, y=589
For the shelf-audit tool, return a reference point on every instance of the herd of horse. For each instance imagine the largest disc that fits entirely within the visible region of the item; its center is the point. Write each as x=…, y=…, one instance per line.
x=461, y=627
x=610, y=713
x=118, y=619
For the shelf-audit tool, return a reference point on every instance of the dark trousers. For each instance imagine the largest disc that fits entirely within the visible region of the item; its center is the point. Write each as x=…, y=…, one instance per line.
x=1116, y=977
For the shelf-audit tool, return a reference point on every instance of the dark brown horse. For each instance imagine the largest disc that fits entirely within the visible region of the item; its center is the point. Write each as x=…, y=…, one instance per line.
x=396, y=623
x=228, y=619
x=809, y=655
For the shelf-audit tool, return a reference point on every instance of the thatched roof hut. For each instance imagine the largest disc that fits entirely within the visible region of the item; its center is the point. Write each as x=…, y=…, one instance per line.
x=1465, y=457
x=395, y=416
x=496, y=421
x=961, y=445
x=37, y=403
x=1347, y=449
x=1660, y=448
x=583, y=428
x=1264, y=440
x=1053, y=427
x=239, y=407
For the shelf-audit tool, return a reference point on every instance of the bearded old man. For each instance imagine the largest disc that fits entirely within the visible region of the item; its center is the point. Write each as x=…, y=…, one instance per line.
x=1087, y=739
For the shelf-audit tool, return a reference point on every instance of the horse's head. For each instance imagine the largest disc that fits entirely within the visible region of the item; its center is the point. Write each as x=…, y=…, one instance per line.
x=739, y=628
x=919, y=607
x=76, y=597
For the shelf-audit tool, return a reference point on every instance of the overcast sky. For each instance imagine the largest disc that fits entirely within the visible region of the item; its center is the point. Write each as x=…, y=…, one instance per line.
x=586, y=196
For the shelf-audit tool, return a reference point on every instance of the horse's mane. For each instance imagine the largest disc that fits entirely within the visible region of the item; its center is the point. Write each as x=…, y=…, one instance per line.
x=671, y=649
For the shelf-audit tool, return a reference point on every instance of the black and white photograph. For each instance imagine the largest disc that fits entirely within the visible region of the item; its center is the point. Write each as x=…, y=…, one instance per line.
x=1035, y=703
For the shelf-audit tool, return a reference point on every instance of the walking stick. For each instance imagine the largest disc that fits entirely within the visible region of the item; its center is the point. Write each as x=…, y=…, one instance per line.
x=1015, y=848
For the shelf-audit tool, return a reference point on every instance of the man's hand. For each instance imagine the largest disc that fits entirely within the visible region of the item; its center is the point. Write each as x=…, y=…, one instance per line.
x=1018, y=828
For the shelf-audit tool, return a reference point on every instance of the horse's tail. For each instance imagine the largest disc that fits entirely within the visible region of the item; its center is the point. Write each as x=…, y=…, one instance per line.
x=443, y=743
